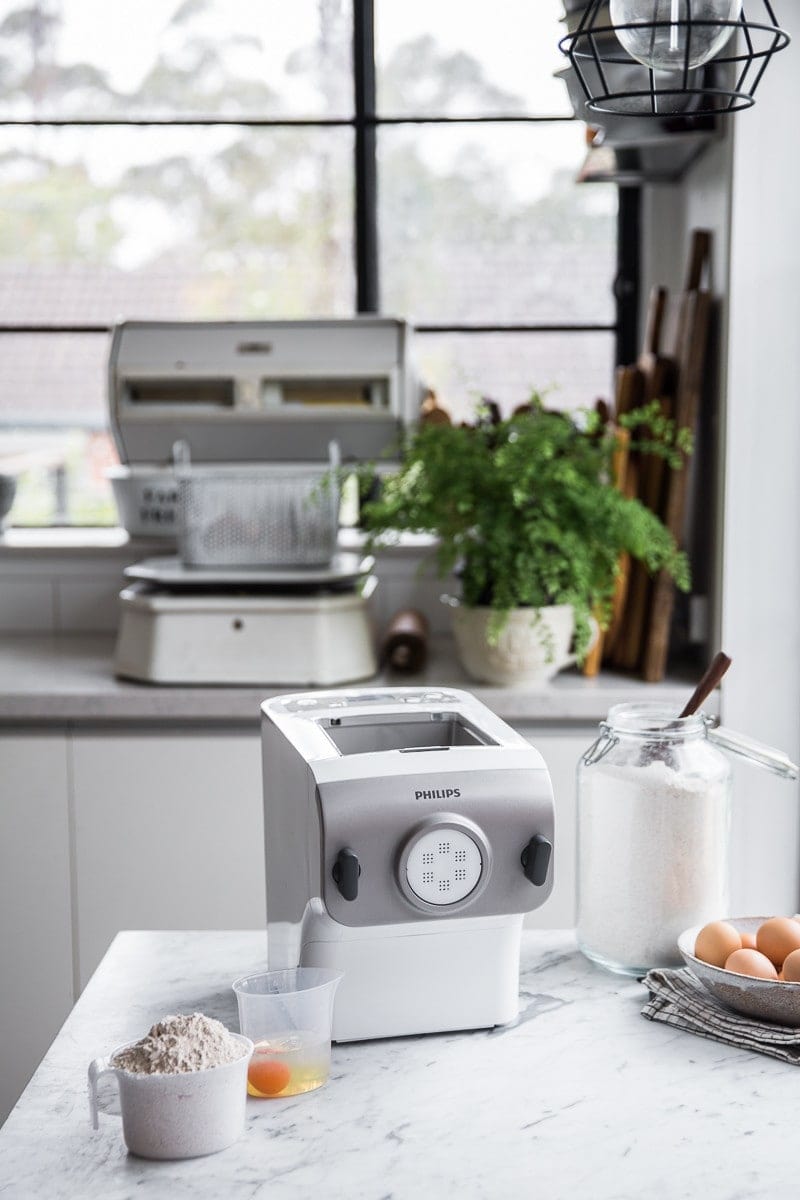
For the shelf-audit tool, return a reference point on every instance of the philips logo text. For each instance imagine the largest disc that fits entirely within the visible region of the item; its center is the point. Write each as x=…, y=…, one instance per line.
x=438, y=794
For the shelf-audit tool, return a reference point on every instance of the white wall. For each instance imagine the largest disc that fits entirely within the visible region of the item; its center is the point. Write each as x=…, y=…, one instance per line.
x=672, y=211
x=761, y=567
x=745, y=190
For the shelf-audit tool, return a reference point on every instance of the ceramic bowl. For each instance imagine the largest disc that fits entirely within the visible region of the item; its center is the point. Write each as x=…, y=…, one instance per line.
x=764, y=999
x=146, y=499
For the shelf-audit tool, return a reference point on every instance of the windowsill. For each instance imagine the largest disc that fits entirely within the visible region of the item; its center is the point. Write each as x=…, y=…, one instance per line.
x=108, y=541
x=79, y=541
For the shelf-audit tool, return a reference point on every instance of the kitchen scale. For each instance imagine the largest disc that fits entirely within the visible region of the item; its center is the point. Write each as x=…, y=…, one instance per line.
x=228, y=631
x=226, y=431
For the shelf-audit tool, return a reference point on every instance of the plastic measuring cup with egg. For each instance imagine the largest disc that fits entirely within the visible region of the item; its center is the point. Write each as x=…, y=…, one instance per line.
x=288, y=1016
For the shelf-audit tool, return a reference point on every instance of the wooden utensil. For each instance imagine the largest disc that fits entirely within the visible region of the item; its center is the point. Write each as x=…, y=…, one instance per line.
x=717, y=668
x=708, y=681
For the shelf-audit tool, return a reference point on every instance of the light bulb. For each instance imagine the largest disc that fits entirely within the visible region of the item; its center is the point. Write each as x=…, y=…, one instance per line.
x=664, y=48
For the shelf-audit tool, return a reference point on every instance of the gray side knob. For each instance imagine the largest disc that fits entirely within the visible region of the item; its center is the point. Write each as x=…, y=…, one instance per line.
x=346, y=871
x=535, y=859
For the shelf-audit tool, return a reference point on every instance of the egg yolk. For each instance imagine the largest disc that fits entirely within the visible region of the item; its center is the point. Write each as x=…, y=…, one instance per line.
x=267, y=1076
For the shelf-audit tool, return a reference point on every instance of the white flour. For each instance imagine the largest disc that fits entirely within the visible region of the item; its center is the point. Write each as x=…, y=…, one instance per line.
x=652, y=860
x=180, y=1043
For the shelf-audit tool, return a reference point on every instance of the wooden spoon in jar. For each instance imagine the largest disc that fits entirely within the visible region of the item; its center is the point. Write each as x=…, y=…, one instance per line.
x=709, y=681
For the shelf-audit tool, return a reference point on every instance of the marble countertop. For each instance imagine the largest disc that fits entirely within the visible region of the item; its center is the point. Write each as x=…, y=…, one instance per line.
x=580, y=1098
x=69, y=679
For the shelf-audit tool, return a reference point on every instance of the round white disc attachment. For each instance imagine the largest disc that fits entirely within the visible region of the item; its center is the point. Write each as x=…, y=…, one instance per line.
x=443, y=866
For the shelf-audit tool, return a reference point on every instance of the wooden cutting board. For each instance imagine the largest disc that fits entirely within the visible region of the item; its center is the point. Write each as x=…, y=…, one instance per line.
x=606, y=638
x=693, y=328
x=691, y=348
x=629, y=390
x=658, y=382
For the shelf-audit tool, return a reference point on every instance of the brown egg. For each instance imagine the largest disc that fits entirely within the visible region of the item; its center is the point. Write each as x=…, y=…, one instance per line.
x=791, y=967
x=748, y=941
x=716, y=942
x=777, y=938
x=750, y=962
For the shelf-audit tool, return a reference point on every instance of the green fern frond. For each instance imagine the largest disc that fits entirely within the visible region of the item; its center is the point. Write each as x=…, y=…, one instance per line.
x=526, y=510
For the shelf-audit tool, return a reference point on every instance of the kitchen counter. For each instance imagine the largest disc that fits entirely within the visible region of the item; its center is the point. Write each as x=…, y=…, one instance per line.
x=69, y=679
x=581, y=1098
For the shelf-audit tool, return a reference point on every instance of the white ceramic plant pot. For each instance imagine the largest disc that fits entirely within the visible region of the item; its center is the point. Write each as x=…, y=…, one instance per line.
x=531, y=648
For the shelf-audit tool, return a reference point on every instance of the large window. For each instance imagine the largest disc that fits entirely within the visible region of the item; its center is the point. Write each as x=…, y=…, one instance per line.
x=220, y=158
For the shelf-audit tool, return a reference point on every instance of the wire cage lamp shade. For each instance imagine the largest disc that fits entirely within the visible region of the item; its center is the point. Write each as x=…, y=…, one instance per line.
x=666, y=58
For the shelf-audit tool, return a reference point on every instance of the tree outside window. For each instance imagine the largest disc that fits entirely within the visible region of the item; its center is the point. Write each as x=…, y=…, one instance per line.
x=237, y=201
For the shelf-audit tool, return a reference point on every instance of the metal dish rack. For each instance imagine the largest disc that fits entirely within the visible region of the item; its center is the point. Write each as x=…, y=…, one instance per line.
x=260, y=516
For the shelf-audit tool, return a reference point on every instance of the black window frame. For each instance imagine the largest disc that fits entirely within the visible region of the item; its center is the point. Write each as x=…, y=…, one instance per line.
x=365, y=123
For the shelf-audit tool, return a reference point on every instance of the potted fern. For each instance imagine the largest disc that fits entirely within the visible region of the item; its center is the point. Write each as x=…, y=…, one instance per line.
x=526, y=512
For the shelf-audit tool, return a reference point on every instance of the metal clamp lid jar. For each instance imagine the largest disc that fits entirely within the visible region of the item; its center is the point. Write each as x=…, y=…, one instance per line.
x=654, y=802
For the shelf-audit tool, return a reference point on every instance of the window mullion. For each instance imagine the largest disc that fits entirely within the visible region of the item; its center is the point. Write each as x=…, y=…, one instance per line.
x=366, y=171
x=627, y=283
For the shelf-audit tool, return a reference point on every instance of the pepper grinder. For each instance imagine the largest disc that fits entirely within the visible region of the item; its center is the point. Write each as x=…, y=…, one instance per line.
x=404, y=646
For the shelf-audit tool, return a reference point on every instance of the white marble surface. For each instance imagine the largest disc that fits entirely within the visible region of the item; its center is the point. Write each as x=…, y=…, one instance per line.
x=581, y=1098
x=69, y=679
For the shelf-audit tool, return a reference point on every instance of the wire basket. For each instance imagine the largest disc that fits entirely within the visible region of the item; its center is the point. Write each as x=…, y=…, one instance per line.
x=258, y=517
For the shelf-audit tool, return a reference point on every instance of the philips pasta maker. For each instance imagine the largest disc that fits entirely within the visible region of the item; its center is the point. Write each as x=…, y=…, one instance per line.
x=407, y=833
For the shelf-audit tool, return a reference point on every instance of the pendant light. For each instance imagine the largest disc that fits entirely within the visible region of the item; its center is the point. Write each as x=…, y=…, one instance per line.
x=658, y=35
x=656, y=58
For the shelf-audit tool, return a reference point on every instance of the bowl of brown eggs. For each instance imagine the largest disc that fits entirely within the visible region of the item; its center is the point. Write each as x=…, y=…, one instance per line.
x=752, y=964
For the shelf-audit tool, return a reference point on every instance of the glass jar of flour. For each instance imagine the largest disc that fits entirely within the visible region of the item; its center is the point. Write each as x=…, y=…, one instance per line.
x=654, y=808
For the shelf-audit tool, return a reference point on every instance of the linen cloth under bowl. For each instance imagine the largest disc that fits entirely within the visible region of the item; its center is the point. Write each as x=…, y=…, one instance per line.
x=677, y=998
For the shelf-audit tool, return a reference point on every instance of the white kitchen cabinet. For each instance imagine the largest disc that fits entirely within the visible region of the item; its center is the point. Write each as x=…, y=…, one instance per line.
x=168, y=835
x=36, y=992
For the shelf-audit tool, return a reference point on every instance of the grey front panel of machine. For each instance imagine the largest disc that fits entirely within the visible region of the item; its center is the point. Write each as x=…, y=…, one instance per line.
x=375, y=817
x=237, y=439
